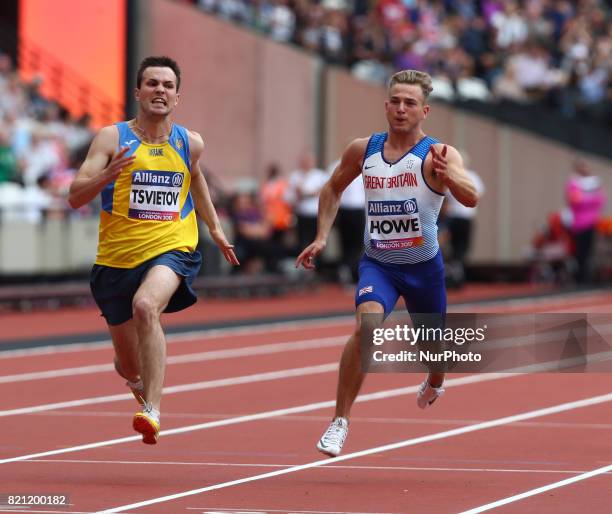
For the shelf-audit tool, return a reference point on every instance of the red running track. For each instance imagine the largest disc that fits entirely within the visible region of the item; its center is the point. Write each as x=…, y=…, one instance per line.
x=243, y=414
x=323, y=299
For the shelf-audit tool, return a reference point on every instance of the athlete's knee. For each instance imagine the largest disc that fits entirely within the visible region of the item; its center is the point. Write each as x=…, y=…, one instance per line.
x=145, y=310
x=369, y=317
x=361, y=330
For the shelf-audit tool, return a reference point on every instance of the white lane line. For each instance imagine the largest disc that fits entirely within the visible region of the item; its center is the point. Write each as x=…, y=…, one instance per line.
x=231, y=353
x=378, y=449
x=390, y=393
x=4, y=508
x=323, y=418
x=195, y=386
x=47, y=511
x=183, y=337
x=234, y=510
x=330, y=467
x=539, y=490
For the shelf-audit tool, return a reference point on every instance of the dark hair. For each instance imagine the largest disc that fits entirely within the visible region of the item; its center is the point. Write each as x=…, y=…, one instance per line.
x=160, y=62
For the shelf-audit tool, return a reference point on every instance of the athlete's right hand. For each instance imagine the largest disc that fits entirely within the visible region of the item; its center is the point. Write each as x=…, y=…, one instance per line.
x=228, y=249
x=308, y=255
x=118, y=162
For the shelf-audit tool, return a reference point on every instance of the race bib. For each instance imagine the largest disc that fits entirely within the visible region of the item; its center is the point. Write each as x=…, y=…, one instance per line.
x=394, y=224
x=154, y=195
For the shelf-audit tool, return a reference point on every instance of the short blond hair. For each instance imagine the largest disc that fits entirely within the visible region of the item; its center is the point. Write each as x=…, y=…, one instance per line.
x=420, y=78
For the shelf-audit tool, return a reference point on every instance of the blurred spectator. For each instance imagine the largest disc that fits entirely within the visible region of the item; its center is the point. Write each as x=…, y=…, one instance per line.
x=77, y=135
x=305, y=184
x=559, y=13
x=534, y=73
x=8, y=162
x=279, y=21
x=409, y=58
x=350, y=223
x=252, y=235
x=473, y=36
x=371, y=51
x=459, y=221
x=37, y=102
x=13, y=101
x=276, y=208
x=334, y=29
x=551, y=252
x=586, y=199
x=391, y=13
x=44, y=155
x=539, y=28
x=6, y=68
x=311, y=30
x=27, y=203
x=509, y=24
x=593, y=88
x=507, y=87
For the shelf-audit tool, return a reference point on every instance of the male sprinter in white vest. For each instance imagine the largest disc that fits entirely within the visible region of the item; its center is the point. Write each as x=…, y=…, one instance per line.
x=148, y=174
x=401, y=167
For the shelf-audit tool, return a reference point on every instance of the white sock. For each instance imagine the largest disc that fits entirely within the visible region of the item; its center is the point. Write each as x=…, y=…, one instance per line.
x=151, y=411
x=138, y=385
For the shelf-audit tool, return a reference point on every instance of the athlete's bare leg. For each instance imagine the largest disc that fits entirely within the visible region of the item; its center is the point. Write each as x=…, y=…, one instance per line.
x=127, y=362
x=351, y=375
x=149, y=302
x=436, y=379
x=125, y=342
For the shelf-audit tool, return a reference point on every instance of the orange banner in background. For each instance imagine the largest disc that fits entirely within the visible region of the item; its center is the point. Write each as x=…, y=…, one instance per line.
x=78, y=49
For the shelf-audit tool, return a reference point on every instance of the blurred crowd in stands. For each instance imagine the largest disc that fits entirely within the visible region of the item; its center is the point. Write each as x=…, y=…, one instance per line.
x=40, y=147
x=554, y=52
x=273, y=220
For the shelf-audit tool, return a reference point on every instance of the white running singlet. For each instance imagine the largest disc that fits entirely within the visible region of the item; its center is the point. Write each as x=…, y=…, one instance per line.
x=401, y=208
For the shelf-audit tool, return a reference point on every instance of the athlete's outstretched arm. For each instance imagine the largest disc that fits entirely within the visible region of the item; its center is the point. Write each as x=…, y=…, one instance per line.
x=203, y=203
x=101, y=166
x=448, y=164
x=329, y=199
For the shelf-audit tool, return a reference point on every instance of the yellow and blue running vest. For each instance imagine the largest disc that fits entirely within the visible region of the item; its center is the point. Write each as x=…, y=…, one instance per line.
x=148, y=210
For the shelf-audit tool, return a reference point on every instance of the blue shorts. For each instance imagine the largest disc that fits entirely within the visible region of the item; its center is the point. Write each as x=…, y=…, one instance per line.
x=421, y=285
x=114, y=288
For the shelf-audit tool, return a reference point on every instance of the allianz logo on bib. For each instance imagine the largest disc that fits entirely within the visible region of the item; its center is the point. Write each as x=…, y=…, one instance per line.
x=392, y=207
x=157, y=178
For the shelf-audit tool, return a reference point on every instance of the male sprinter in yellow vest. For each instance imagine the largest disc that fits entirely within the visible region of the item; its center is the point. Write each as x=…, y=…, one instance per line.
x=148, y=173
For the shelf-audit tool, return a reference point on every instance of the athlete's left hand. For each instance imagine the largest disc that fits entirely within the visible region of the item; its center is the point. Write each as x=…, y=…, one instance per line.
x=226, y=248
x=439, y=163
